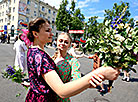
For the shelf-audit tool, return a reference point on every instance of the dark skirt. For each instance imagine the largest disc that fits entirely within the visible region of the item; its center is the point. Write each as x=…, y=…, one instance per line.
x=36, y=97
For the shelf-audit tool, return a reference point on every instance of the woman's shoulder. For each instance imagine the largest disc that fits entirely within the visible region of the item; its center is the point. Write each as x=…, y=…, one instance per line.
x=69, y=56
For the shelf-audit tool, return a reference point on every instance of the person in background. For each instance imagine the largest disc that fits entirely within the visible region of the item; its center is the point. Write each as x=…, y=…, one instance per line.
x=8, y=39
x=16, y=38
x=72, y=51
x=20, y=59
x=96, y=64
x=126, y=76
x=46, y=83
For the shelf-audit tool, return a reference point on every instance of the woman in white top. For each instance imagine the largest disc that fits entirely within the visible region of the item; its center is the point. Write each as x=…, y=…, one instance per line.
x=72, y=51
x=20, y=59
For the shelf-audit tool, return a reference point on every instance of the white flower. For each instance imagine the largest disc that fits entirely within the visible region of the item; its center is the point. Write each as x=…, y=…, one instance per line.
x=107, y=22
x=107, y=31
x=117, y=57
x=117, y=50
x=105, y=50
x=126, y=25
x=121, y=25
x=119, y=37
x=129, y=35
x=127, y=30
x=115, y=31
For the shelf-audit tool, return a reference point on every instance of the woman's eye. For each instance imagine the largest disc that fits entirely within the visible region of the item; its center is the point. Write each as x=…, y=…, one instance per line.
x=61, y=41
x=48, y=30
x=66, y=42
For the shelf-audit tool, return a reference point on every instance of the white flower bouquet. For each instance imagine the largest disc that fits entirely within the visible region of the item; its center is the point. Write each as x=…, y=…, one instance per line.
x=117, y=44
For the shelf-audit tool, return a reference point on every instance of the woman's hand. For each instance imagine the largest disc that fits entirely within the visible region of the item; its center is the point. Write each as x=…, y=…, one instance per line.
x=96, y=80
x=109, y=73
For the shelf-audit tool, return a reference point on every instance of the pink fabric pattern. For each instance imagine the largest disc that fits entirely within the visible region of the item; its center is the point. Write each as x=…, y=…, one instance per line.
x=24, y=37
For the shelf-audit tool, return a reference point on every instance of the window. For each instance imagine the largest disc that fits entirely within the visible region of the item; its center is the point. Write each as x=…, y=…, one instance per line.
x=5, y=19
x=12, y=18
x=28, y=2
x=27, y=11
x=40, y=15
x=3, y=6
x=6, y=4
x=35, y=5
x=34, y=13
x=49, y=11
x=48, y=18
x=14, y=1
x=54, y=13
x=2, y=13
x=52, y=26
x=43, y=8
x=13, y=9
x=27, y=19
x=9, y=18
x=53, y=20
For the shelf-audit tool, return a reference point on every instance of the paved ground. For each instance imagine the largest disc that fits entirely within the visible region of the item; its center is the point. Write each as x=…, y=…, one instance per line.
x=122, y=91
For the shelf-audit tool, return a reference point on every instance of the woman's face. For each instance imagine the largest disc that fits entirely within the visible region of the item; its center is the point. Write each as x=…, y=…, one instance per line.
x=63, y=42
x=45, y=35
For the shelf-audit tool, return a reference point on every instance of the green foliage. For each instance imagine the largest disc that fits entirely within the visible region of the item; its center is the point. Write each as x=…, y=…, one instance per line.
x=116, y=39
x=11, y=73
x=63, y=17
x=16, y=76
x=72, y=18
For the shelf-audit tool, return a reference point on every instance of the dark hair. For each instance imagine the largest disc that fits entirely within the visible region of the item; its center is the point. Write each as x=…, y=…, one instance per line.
x=35, y=25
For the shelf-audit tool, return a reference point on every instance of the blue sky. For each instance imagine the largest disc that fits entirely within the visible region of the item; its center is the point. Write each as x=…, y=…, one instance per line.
x=96, y=7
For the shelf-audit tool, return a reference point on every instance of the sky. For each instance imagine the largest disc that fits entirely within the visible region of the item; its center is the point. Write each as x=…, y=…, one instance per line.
x=92, y=8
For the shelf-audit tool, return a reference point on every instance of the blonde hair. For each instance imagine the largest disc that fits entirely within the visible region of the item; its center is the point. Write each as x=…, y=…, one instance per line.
x=56, y=52
x=64, y=33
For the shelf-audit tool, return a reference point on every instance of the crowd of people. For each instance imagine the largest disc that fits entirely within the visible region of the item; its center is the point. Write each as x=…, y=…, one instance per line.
x=56, y=78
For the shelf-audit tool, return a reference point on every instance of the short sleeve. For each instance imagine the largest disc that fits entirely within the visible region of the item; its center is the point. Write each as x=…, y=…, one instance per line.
x=43, y=64
x=48, y=65
x=75, y=69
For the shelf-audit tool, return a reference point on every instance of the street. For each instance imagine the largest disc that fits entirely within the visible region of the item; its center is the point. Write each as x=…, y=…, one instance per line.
x=122, y=91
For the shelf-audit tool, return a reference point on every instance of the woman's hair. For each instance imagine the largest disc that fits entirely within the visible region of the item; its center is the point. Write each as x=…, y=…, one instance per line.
x=56, y=52
x=63, y=33
x=19, y=37
x=35, y=25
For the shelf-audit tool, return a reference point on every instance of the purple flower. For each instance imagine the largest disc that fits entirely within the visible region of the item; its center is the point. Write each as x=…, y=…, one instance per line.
x=117, y=16
x=115, y=25
x=122, y=17
x=10, y=70
x=112, y=26
x=113, y=22
x=116, y=29
x=115, y=19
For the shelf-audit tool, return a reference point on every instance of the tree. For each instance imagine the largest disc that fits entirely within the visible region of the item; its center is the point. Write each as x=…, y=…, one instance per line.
x=63, y=17
x=77, y=22
x=116, y=11
x=69, y=19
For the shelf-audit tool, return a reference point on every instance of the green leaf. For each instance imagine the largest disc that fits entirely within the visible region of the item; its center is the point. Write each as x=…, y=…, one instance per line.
x=135, y=50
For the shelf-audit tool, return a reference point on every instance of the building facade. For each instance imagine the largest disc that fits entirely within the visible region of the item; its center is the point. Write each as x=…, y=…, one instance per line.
x=16, y=14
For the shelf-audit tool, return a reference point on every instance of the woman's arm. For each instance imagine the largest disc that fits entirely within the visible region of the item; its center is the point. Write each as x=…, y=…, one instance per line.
x=72, y=88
